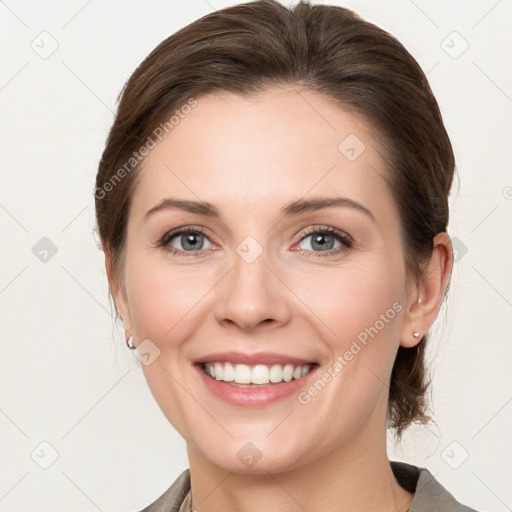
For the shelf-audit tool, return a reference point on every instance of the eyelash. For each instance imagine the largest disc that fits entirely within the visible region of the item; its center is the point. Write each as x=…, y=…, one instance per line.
x=165, y=240
x=346, y=240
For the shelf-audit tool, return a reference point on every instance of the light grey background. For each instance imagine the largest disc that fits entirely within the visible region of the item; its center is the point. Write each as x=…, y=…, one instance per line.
x=67, y=382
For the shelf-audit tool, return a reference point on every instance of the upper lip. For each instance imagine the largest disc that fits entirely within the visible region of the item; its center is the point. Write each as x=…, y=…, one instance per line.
x=251, y=359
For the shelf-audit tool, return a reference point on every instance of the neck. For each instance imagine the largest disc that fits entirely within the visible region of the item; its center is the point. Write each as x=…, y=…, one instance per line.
x=356, y=476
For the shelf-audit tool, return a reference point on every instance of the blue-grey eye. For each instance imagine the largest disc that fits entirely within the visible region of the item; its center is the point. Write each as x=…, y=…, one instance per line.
x=320, y=241
x=189, y=241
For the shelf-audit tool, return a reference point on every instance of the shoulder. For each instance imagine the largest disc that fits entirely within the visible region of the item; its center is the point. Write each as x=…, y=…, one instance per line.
x=429, y=494
x=172, y=498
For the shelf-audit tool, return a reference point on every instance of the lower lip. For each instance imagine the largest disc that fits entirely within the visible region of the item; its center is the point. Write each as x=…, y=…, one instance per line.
x=251, y=397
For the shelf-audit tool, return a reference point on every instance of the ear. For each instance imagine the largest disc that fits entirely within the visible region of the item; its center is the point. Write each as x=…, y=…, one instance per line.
x=118, y=292
x=427, y=295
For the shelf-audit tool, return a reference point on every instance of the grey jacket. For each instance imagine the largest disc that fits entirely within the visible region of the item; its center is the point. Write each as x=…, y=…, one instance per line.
x=429, y=494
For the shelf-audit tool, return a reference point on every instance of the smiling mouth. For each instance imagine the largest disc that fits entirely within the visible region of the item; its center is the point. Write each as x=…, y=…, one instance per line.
x=242, y=375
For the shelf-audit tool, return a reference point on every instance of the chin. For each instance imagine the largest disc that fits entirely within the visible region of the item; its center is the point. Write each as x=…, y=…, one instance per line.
x=247, y=457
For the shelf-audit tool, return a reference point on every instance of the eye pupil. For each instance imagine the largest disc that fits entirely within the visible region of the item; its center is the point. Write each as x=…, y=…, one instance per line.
x=190, y=241
x=323, y=242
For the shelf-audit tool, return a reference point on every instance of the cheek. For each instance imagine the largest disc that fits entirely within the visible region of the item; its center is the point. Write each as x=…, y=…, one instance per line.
x=164, y=300
x=358, y=306
x=359, y=314
x=355, y=296
x=167, y=306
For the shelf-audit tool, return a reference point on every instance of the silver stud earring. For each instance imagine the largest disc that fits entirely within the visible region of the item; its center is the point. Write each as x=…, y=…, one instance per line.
x=129, y=343
x=416, y=335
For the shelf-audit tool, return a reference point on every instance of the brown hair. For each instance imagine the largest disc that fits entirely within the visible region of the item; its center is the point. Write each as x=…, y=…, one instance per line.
x=248, y=47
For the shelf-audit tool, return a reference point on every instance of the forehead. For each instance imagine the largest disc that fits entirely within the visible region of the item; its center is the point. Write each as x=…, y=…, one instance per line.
x=262, y=151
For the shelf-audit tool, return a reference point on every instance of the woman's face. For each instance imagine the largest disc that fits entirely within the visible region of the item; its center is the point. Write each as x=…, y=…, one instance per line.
x=267, y=266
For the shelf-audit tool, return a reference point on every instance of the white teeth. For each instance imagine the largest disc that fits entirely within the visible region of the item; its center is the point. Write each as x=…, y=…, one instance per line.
x=218, y=371
x=228, y=373
x=242, y=374
x=259, y=374
x=276, y=373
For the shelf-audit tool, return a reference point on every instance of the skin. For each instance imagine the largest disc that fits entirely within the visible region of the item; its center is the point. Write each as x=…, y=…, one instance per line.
x=249, y=157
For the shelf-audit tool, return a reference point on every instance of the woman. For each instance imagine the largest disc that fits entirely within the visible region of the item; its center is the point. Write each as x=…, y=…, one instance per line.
x=273, y=203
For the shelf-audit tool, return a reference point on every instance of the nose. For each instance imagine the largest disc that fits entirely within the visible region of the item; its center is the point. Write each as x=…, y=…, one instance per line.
x=252, y=297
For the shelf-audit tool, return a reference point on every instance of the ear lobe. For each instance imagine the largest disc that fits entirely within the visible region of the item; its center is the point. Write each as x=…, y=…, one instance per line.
x=429, y=293
x=117, y=290
x=410, y=327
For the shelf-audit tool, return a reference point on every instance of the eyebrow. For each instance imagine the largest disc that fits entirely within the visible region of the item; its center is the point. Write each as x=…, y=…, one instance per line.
x=309, y=205
x=199, y=207
x=293, y=208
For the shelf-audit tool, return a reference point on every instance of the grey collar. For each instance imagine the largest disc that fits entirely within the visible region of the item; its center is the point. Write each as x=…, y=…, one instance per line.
x=429, y=494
